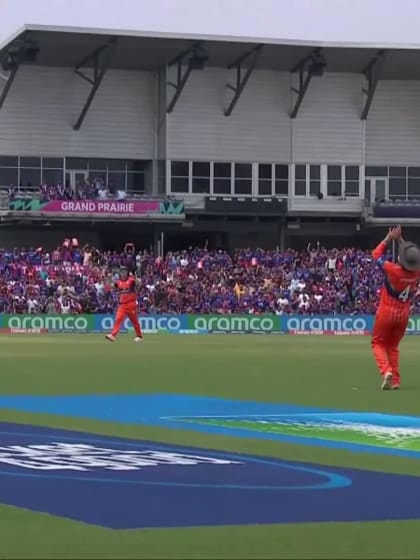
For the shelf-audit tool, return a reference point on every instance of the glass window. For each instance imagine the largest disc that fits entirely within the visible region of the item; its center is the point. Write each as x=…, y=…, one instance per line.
x=97, y=164
x=282, y=187
x=352, y=172
x=30, y=162
x=314, y=187
x=201, y=169
x=200, y=185
x=30, y=177
x=414, y=187
x=334, y=173
x=376, y=171
x=414, y=171
x=136, y=182
x=116, y=179
x=282, y=171
x=116, y=165
x=52, y=176
x=300, y=172
x=397, y=171
x=397, y=187
x=52, y=163
x=334, y=188
x=76, y=163
x=8, y=176
x=368, y=191
x=352, y=188
x=300, y=188
x=179, y=168
x=265, y=170
x=8, y=161
x=97, y=175
x=137, y=165
x=243, y=186
x=221, y=186
x=222, y=170
x=243, y=170
x=179, y=184
x=264, y=187
x=315, y=172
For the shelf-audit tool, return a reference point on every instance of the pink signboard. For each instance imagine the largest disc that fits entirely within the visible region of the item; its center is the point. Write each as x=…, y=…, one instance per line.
x=99, y=207
x=102, y=207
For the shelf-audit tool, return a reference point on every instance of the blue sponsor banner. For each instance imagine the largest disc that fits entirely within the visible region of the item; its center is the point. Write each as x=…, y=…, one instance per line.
x=337, y=324
x=150, y=323
x=327, y=324
x=203, y=324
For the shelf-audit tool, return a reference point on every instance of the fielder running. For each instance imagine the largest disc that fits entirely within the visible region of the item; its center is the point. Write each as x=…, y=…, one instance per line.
x=393, y=311
x=126, y=286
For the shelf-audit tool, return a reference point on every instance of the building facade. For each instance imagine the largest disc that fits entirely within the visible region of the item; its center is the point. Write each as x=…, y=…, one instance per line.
x=156, y=121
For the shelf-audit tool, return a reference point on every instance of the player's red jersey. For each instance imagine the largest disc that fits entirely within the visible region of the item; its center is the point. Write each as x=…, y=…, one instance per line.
x=399, y=286
x=127, y=291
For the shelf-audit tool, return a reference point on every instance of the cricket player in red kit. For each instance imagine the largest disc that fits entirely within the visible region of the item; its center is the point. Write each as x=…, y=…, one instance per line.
x=126, y=286
x=394, y=306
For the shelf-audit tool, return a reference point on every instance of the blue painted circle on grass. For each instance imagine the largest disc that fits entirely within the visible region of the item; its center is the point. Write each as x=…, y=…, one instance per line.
x=333, y=480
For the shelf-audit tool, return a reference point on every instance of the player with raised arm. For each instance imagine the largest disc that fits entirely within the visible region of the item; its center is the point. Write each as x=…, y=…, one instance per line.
x=126, y=286
x=393, y=311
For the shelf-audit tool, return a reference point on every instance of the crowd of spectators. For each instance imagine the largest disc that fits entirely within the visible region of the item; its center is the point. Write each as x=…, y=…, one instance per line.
x=73, y=279
x=90, y=189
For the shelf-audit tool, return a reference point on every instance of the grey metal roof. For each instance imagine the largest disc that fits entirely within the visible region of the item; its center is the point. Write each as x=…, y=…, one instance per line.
x=145, y=53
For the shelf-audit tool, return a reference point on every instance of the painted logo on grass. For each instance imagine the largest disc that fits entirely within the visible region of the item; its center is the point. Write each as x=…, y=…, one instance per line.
x=102, y=480
x=123, y=484
x=371, y=429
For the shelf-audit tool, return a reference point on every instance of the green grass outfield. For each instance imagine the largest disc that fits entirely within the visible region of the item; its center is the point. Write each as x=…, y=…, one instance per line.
x=330, y=372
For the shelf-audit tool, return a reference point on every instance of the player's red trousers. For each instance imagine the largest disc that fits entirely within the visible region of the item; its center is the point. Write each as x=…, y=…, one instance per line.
x=123, y=312
x=387, y=335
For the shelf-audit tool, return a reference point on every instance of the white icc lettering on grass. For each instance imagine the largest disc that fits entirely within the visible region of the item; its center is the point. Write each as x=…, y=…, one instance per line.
x=326, y=324
x=80, y=457
x=49, y=322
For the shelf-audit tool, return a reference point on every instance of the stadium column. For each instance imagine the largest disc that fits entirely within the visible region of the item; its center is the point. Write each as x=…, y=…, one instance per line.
x=282, y=234
x=156, y=240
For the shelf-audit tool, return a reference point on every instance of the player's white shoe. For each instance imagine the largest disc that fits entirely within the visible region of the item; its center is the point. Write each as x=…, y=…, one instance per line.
x=110, y=337
x=387, y=380
x=138, y=339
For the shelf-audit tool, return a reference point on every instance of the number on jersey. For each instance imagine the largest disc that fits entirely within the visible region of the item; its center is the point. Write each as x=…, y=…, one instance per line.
x=405, y=294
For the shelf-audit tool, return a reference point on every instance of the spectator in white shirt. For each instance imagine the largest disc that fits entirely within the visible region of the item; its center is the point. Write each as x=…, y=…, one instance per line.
x=332, y=261
x=32, y=305
x=102, y=193
x=99, y=287
x=293, y=285
x=303, y=300
x=282, y=301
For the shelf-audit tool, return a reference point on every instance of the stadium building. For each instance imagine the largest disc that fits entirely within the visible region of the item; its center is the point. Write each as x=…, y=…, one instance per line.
x=304, y=126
